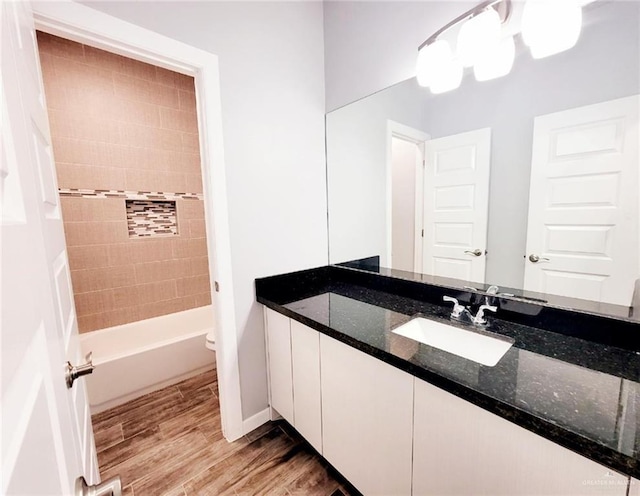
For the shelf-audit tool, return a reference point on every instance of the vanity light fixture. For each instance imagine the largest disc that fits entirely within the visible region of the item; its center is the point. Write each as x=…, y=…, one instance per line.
x=551, y=26
x=548, y=27
x=479, y=42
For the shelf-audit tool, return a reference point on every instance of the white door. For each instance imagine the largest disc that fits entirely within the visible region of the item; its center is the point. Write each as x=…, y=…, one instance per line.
x=582, y=235
x=47, y=438
x=456, y=201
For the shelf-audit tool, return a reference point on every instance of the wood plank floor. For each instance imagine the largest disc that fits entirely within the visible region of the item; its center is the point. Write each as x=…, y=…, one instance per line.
x=170, y=442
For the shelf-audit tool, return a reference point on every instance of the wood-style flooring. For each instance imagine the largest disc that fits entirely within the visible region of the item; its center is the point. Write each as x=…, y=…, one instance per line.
x=169, y=442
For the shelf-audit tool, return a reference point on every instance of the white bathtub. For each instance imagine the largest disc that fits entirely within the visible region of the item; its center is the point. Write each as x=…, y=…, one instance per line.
x=134, y=359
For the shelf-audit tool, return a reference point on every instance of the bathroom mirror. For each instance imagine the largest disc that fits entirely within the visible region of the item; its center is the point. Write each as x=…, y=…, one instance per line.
x=366, y=192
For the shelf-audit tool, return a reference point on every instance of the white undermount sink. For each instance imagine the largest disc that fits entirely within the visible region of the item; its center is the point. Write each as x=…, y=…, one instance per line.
x=469, y=344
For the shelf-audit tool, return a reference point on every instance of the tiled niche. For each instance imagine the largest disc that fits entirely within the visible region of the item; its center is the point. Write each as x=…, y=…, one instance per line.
x=151, y=219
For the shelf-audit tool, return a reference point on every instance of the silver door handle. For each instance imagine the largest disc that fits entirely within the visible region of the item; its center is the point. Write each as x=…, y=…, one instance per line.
x=73, y=372
x=475, y=253
x=110, y=487
x=535, y=258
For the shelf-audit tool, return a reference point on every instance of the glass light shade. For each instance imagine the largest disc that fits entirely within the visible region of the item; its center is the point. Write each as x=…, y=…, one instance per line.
x=551, y=26
x=496, y=63
x=448, y=77
x=431, y=60
x=478, y=35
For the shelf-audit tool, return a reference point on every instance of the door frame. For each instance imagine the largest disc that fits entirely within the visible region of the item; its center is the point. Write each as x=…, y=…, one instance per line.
x=88, y=26
x=417, y=137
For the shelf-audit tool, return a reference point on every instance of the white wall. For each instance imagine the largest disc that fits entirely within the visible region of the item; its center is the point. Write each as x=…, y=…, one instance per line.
x=272, y=88
x=373, y=44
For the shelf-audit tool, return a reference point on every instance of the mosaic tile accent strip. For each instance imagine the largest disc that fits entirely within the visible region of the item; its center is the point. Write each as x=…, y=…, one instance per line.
x=129, y=195
x=151, y=218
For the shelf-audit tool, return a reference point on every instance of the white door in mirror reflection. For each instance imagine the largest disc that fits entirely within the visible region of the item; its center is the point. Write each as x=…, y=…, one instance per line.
x=456, y=200
x=582, y=237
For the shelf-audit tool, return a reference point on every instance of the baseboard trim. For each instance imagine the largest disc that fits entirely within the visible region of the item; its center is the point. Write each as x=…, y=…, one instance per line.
x=256, y=420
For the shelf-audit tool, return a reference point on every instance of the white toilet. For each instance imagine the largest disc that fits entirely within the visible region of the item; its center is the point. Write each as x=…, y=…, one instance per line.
x=211, y=340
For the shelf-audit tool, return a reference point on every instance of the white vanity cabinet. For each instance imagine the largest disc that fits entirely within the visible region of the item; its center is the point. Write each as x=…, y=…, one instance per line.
x=460, y=448
x=293, y=355
x=634, y=488
x=307, y=410
x=278, y=337
x=367, y=413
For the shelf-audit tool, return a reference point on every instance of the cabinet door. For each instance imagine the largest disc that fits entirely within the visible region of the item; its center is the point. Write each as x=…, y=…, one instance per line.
x=279, y=360
x=460, y=448
x=305, y=353
x=634, y=487
x=367, y=418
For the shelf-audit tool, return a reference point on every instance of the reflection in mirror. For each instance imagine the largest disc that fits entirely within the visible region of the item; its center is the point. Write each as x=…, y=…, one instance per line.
x=563, y=210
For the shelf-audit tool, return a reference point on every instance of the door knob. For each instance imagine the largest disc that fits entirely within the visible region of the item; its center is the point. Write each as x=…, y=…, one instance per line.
x=110, y=487
x=476, y=253
x=73, y=372
x=535, y=258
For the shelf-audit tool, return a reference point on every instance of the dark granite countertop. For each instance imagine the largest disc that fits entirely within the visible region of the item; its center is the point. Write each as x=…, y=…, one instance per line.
x=581, y=394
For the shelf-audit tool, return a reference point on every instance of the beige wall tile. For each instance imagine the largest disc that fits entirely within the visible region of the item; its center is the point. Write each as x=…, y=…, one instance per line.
x=102, y=278
x=114, y=209
x=78, y=75
x=76, y=209
x=161, y=271
x=166, y=307
x=103, y=59
x=165, y=77
x=190, y=209
x=81, y=209
x=89, y=177
x=179, y=120
x=94, y=302
x=200, y=266
x=150, y=250
x=95, y=232
x=156, y=291
x=85, y=127
x=126, y=296
x=189, y=248
x=194, y=183
x=88, y=257
x=191, y=144
x=132, y=88
x=187, y=101
x=149, y=180
x=148, y=137
x=184, y=82
x=192, y=285
x=197, y=228
x=203, y=299
x=108, y=319
x=119, y=254
x=48, y=43
x=136, y=112
x=139, y=69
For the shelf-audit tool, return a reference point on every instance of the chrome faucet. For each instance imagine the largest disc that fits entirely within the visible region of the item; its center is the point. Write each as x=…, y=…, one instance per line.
x=480, y=319
x=459, y=311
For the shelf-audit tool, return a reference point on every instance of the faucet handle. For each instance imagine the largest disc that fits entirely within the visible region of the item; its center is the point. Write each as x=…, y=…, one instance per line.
x=479, y=318
x=457, y=307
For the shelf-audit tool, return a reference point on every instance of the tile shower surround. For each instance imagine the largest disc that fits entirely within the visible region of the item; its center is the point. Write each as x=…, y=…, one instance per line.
x=122, y=129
